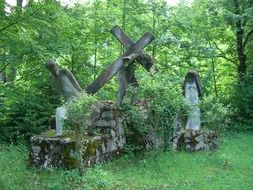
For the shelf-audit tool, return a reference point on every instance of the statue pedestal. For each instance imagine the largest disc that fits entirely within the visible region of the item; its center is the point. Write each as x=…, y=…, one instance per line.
x=46, y=151
x=195, y=140
x=105, y=141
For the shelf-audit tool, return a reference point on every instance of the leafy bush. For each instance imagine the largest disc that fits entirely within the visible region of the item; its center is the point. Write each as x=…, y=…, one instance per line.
x=214, y=114
x=25, y=111
x=78, y=112
x=242, y=100
x=162, y=101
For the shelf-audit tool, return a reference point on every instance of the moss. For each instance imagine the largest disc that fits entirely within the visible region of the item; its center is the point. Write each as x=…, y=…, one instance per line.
x=70, y=160
x=52, y=133
x=92, y=145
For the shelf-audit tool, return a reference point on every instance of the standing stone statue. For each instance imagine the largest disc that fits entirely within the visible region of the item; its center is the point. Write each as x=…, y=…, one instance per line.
x=69, y=88
x=192, y=92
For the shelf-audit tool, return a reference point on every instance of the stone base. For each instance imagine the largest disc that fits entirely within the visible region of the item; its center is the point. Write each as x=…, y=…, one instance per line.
x=195, y=140
x=49, y=151
x=103, y=141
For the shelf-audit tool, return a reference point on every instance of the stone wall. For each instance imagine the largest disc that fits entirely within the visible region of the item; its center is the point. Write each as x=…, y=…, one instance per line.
x=103, y=141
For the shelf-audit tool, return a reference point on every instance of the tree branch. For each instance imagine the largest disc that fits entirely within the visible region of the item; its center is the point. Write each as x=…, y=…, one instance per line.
x=4, y=67
x=224, y=57
x=222, y=53
x=246, y=40
x=18, y=21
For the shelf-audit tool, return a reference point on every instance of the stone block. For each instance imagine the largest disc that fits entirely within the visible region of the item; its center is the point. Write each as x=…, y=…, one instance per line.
x=108, y=115
x=102, y=123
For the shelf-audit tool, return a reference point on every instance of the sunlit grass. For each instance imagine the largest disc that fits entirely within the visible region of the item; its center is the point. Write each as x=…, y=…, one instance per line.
x=229, y=167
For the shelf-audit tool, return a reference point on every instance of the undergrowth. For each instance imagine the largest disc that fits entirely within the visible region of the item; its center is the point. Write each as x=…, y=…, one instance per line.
x=229, y=167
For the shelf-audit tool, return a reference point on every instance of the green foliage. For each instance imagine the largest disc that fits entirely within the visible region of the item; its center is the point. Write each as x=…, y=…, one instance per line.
x=24, y=112
x=160, y=102
x=78, y=112
x=243, y=101
x=215, y=115
x=229, y=167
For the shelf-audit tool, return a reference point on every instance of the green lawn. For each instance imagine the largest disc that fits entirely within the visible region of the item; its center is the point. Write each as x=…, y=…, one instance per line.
x=229, y=167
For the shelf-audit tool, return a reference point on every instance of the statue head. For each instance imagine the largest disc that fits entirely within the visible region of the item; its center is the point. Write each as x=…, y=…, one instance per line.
x=53, y=67
x=148, y=63
x=190, y=77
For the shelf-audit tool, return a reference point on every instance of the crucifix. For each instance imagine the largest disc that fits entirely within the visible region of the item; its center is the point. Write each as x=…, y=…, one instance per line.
x=124, y=65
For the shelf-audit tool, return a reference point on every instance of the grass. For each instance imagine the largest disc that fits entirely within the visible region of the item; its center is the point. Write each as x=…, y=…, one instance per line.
x=229, y=168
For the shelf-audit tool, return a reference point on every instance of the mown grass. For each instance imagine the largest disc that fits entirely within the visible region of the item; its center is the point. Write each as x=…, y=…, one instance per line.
x=230, y=167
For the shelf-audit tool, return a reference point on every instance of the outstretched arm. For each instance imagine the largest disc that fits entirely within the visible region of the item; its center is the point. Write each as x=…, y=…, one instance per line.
x=72, y=79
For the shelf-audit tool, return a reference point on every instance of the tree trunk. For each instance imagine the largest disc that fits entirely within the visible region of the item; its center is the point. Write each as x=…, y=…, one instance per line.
x=19, y=3
x=2, y=50
x=154, y=30
x=95, y=41
x=242, y=58
x=214, y=79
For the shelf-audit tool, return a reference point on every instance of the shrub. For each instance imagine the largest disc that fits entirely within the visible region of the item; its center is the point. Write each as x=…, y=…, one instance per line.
x=78, y=112
x=25, y=111
x=214, y=114
x=163, y=102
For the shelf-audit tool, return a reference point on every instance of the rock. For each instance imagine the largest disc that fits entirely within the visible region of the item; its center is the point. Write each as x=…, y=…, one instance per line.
x=200, y=138
x=200, y=146
x=113, y=124
x=108, y=115
x=102, y=123
x=113, y=134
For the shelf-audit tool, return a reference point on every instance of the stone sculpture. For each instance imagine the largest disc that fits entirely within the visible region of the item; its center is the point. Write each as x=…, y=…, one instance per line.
x=124, y=65
x=64, y=81
x=192, y=92
x=69, y=88
x=127, y=73
x=188, y=134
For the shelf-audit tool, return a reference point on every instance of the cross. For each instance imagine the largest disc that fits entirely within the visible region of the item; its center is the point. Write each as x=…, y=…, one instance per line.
x=127, y=42
x=134, y=50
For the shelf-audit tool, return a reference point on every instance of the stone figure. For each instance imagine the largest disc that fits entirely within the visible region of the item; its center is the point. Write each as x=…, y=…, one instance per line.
x=127, y=77
x=126, y=74
x=65, y=81
x=124, y=65
x=192, y=92
x=69, y=88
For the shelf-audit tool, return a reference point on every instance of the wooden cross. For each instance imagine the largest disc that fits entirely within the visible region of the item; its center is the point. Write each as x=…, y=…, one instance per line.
x=127, y=42
x=133, y=51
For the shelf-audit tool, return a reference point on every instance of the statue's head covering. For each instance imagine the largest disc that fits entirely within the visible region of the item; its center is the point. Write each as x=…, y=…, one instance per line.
x=192, y=76
x=52, y=66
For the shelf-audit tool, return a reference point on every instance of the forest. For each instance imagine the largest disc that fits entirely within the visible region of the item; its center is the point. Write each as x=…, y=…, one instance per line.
x=213, y=38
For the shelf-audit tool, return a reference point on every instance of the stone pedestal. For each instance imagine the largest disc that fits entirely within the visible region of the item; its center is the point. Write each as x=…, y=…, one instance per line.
x=195, y=140
x=48, y=150
x=103, y=141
